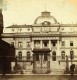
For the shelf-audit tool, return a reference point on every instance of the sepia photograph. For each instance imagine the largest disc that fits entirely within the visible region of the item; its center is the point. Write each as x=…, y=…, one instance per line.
x=38, y=39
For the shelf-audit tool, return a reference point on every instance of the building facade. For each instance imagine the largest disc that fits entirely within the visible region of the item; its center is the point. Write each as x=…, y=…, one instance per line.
x=44, y=47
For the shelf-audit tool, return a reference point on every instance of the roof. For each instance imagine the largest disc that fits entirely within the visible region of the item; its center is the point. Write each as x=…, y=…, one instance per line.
x=45, y=16
x=19, y=26
x=43, y=50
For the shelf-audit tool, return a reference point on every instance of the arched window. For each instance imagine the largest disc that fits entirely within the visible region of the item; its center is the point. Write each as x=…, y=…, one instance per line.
x=20, y=55
x=63, y=54
x=54, y=56
x=28, y=55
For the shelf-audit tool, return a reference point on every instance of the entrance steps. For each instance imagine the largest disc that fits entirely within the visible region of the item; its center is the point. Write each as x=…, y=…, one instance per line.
x=28, y=71
x=56, y=67
x=57, y=71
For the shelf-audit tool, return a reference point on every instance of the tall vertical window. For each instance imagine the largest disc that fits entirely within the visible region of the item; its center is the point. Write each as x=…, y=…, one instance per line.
x=63, y=54
x=71, y=43
x=54, y=43
x=19, y=44
x=20, y=55
x=45, y=44
x=28, y=55
x=63, y=43
x=37, y=43
x=28, y=44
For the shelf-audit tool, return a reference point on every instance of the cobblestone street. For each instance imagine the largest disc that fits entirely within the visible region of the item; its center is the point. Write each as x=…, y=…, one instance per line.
x=40, y=77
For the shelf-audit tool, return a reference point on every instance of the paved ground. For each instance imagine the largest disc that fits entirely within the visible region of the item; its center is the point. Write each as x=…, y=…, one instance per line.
x=40, y=77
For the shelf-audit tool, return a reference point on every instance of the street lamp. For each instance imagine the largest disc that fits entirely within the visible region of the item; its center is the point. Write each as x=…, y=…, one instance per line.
x=71, y=56
x=67, y=64
x=72, y=65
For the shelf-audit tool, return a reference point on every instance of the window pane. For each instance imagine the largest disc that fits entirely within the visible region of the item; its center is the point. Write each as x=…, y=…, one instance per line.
x=20, y=55
x=37, y=43
x=28, y=44
x=54, y=44
x=28, y=56
x=63, y=54
x=71, y=43
x=19, y=44
x=45, y=44
x=63, y=43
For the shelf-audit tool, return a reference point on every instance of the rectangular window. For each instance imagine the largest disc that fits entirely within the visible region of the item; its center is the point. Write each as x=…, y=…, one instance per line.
x=37, y=44
x=20, y=55
x=54, y=43
x=28, y=44
x=19, y=44
x=45, y=44
x=63, y=43
x=71, y=43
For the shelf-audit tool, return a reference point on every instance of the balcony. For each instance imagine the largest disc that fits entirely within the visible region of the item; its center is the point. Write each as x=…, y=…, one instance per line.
x=53, y=47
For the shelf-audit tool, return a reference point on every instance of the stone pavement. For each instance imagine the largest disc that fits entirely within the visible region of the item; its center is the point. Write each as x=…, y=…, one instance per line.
x=39, y=77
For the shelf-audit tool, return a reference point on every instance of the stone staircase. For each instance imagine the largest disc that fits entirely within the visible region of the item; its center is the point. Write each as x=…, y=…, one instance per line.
x=56, y=67
x=28, y=71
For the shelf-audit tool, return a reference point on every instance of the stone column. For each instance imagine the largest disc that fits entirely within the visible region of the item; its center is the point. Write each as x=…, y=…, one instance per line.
x=16, y=43
x=32, y=44
x=58, y=49
x=49, y=44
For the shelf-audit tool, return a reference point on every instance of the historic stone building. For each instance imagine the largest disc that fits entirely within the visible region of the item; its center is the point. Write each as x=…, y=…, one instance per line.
x=44, y=47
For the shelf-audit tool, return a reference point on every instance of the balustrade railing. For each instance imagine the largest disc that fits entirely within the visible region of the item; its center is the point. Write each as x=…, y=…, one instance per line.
x=24, y=58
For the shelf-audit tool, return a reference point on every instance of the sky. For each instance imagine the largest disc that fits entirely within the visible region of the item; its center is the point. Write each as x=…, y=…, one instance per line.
x=26, y=11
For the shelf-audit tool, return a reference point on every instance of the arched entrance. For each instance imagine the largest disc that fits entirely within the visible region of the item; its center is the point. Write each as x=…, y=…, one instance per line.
x=53, y=56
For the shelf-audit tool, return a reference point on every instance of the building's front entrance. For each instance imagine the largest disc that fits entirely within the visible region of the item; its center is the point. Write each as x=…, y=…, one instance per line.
x=41, y=61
